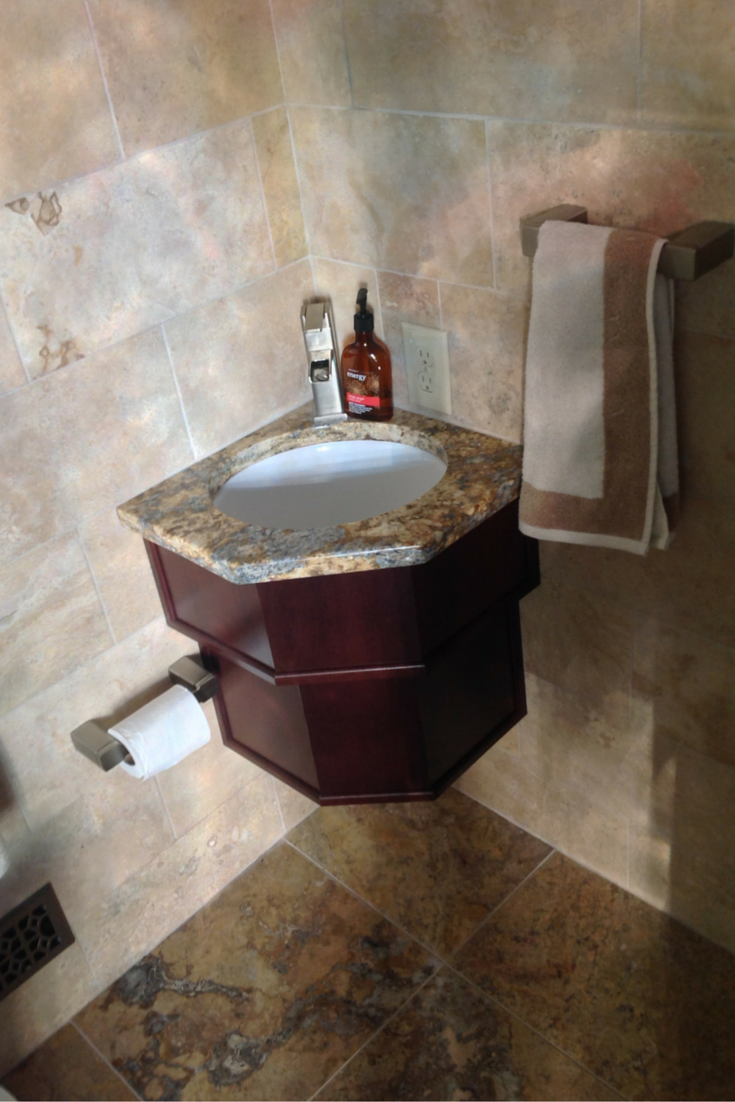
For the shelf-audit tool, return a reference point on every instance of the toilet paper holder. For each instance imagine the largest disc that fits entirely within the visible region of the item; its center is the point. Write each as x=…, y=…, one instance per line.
x=95, y=741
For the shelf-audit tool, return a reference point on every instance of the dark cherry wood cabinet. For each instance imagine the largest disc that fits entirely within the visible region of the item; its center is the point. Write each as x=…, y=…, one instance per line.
x=369, y=686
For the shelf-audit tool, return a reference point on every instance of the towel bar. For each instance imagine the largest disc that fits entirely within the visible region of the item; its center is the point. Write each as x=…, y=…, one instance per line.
x=688, y=255
x=96, y=743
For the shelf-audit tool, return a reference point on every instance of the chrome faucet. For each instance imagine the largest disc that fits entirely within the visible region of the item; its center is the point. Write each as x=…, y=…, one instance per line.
x=322, y=356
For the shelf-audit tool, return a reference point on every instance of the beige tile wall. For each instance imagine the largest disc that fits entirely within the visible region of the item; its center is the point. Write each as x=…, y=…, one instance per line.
x=174, y=181
x=152, y=265
x=423, y=131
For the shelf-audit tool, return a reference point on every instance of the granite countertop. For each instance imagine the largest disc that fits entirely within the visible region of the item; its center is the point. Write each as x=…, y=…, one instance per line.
x=483, y=474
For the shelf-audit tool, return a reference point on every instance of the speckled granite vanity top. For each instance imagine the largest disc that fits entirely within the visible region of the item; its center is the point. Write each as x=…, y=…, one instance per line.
x=483, y=474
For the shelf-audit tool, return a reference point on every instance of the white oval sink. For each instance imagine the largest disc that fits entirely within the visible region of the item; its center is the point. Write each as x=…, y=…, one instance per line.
x=323, y=485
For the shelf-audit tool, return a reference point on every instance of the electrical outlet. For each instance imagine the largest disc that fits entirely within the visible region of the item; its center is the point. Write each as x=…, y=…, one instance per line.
x=427, y=367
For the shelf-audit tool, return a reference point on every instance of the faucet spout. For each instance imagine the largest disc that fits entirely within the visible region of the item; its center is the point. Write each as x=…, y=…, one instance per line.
x=323, y=363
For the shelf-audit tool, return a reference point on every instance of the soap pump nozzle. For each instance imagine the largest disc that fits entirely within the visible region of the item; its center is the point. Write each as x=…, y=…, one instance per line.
x=364, y=320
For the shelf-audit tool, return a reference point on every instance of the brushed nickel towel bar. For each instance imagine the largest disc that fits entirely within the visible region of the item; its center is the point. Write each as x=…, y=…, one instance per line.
x=686, y=256
x=96, y=743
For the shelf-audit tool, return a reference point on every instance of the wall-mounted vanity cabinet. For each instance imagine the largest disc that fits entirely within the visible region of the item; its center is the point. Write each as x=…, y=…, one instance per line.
x=367, y=662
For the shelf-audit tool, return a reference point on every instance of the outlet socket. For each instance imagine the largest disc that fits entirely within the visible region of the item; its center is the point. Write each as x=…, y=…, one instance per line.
x=427, y=367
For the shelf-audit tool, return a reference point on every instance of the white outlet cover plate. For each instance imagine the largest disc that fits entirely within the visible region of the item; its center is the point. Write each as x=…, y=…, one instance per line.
x=427, y=367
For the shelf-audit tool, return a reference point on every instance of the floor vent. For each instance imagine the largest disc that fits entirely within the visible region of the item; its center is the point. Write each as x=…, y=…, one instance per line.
x=30, y=936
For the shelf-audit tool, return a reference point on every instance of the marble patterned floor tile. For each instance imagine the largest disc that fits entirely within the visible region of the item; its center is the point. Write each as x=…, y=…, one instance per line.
x=638, y=999
x=451, y=862
x=451, y=1042
x=263, y=994
x=66, y=1066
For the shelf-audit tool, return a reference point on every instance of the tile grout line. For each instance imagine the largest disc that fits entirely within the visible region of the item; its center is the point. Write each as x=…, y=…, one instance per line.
x=516, y=1017
x=35, y=381
x=519, y=121
x=491, y=206
x=174, y=835
x=432, y=952
x=179, y=395
x=106, y=86
x=11, y=330
x=102, y=1057
x=278, y=805
x=262, y=193
x=378, y=1031
x=96, y=589
x=502, y=903
x=297, y=169
x=347, y=52
x=286, y=105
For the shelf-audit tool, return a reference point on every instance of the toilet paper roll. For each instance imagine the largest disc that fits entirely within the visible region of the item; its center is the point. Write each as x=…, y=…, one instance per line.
x=163, y=732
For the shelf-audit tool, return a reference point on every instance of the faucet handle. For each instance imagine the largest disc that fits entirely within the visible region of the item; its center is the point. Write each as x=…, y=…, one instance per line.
x=320, y=338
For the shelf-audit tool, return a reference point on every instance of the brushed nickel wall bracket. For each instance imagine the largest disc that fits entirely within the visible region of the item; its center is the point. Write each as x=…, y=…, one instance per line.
x=94, y=741
x=687, y=255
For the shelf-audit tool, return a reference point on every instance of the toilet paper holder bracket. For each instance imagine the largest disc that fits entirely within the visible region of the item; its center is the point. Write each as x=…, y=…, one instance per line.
x=96, y=743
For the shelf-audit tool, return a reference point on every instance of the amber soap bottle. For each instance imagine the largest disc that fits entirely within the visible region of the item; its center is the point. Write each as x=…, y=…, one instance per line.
x=367, y=377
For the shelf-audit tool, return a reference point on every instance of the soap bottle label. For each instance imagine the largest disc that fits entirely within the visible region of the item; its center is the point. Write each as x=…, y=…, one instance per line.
x=362, y=403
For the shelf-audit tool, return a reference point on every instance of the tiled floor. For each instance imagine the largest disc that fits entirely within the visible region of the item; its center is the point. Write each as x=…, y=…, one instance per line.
x=408, y=952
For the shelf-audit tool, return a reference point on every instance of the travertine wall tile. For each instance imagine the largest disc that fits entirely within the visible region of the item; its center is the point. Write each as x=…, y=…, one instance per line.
x=399, y=192
x=646, y=179
x=11, y=369
x=51, y=620
x=123, y=574
x=175, y=67
x=416, y=301
x=44, y=770
x=88, y=437
x=122, y=927
x=682, y=853
x=312, y=49
x=201, y=783
x=341, y=282
x=294, y=807
x=240, y=361
x=91, y=847
x=56, y=119
x=582, y=643
x=568, y=740
x=487, y=338
x=688, y=684
x=565, y=817
x=574, y=60
x=689, y=586
x=687, y=76
x=43, y=1004
x=112, y=253
x=280, y=185
x=705, y=384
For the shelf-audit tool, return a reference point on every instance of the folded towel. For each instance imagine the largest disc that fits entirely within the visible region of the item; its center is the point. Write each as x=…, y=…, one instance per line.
x=600, y=456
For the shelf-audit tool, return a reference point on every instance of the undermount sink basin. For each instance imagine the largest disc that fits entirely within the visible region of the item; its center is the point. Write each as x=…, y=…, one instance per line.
x=326, y=485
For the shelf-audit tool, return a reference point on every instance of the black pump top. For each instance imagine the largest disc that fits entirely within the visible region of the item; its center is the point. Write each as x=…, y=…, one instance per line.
x=364, y=321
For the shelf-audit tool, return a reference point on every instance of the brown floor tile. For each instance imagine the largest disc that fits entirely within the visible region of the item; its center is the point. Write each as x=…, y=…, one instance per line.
x=631, y=994
x=262, y=995
x=437, y=869
x=66, y=1066
x=450, y=1042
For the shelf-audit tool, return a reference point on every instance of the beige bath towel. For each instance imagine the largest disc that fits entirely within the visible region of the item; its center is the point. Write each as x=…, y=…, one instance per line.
x=600, y=457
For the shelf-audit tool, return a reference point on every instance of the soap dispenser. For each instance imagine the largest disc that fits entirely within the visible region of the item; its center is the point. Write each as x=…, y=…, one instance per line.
x=367, y=377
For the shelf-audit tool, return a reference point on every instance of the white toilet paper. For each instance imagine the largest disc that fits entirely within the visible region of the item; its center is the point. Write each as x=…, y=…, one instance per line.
x=163, y=732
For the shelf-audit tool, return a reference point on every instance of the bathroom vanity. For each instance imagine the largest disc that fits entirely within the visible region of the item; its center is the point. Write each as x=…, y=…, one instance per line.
x=372, y=660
